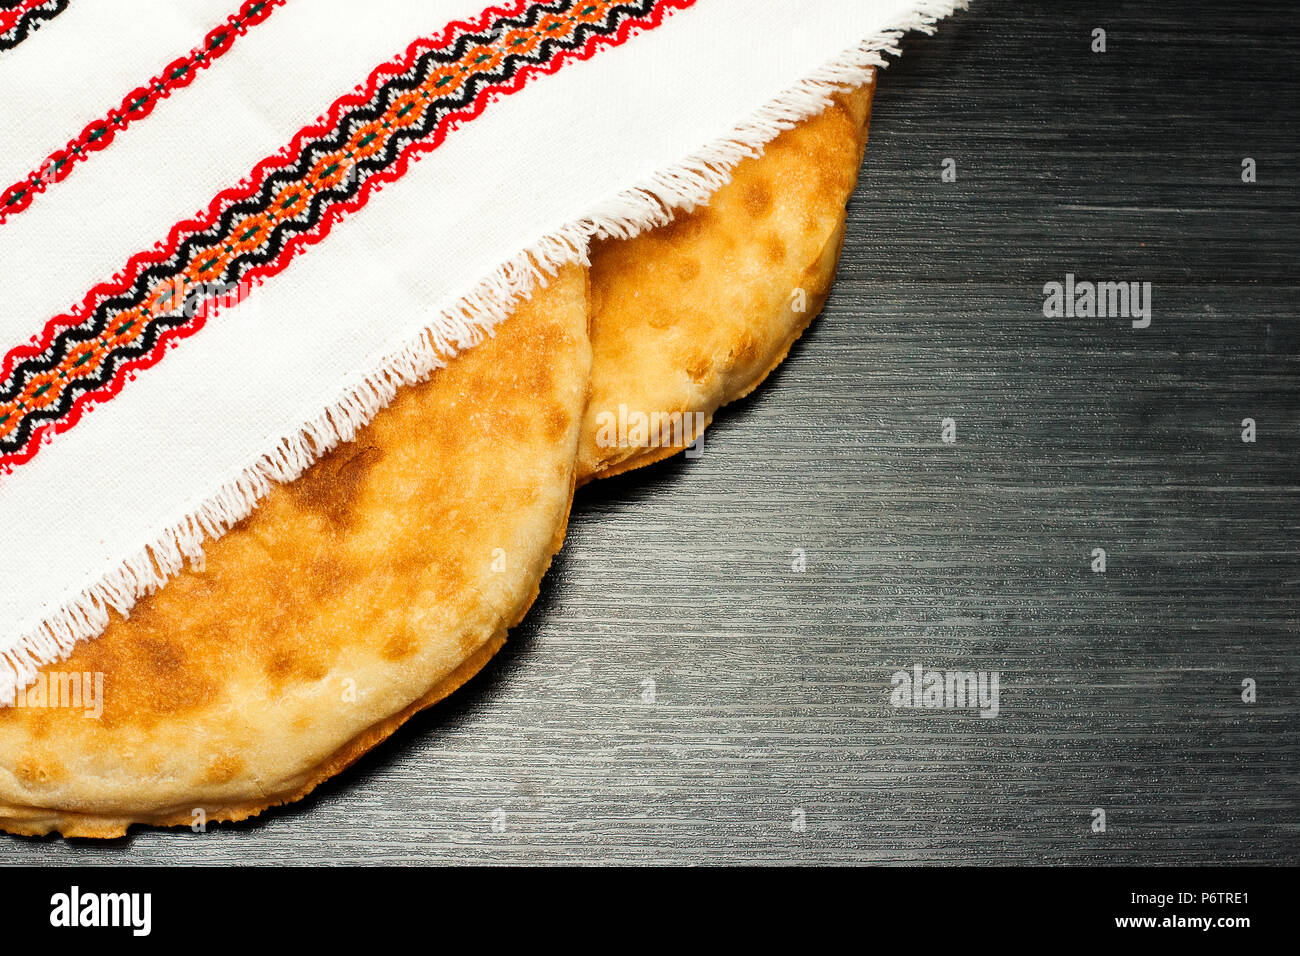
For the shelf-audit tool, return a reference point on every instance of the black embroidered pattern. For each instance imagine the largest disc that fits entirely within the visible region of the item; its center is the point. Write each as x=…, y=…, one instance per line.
x=85, y=357
x=29, y=20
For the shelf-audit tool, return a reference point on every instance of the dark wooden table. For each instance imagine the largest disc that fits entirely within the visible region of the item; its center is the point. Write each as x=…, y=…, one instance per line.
x=1120, y=690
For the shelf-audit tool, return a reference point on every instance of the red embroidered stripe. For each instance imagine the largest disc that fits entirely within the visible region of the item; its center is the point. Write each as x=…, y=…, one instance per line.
x=291, y=201
x=18, y=21
x=10, y=16
x=135, y=106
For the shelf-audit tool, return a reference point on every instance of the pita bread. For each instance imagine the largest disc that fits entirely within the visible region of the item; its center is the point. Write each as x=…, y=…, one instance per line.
x=325, y=620
x=370, y=588
x=693, y=315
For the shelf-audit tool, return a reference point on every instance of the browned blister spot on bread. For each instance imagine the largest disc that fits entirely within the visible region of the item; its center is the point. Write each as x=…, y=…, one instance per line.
x=756, y=197
x=223, y=768
x=333, y=486
x=147, y=676
x=39, y=767
x=775, y=249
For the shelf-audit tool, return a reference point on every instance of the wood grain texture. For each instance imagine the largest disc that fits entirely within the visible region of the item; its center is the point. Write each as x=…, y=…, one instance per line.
x=1120, y=690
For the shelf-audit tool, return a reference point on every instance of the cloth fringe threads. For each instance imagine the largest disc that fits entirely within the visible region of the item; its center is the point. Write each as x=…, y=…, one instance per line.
x=459, y=326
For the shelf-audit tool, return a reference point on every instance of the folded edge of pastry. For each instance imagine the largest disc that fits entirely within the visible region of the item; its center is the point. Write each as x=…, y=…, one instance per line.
x=370, y=588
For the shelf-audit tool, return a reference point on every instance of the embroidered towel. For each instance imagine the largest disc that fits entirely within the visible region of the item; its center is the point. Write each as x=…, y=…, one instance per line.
x=229, y=232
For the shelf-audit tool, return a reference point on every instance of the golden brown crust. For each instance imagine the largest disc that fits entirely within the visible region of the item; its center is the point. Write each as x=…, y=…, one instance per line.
x=352, y=598
x=32, y=822
x=691, y=316
x=317, y=584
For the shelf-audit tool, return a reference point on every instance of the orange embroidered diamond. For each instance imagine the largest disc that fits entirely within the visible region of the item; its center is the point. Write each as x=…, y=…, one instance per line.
x=163, y=299
x=405, y=111
x=248, y=234
x=520, y=42
x=366, y=141
x=41, y=392
x=593, y=12
x=208, y=264
x=445, y=79
x=553, y=25
x=329, y=171
x=483, y=59
x=290, y=201
x=83, y=358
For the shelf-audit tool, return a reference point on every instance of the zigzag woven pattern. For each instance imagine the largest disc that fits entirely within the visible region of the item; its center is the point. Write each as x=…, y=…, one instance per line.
x=291, y=201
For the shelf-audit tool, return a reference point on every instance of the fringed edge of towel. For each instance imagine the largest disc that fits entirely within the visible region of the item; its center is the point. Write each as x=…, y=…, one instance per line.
x=647, y=205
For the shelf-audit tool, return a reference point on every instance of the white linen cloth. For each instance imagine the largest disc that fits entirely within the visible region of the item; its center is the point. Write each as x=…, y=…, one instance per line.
x=110, y=508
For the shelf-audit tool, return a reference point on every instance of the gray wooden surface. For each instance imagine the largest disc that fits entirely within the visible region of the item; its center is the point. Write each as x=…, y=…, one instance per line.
x=1120, y=691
